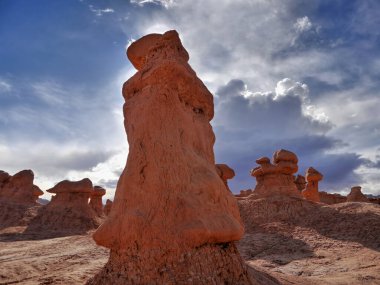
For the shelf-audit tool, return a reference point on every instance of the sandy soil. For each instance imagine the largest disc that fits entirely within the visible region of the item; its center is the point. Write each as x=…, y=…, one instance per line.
x=324, y=246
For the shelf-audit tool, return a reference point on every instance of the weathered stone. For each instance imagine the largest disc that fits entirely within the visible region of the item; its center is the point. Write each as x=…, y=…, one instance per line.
x=277, y=178
x=173, y=221
x=311, y=190
x=356, y=195
x=225, y=172
x=331, y=198
x=107, y=207
x=96, y=200
x=300, y=182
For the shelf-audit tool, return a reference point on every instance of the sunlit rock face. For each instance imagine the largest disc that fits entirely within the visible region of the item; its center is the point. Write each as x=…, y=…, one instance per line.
x=311, y=192
x=173, y=220
x=276, y=177
x=356, y=195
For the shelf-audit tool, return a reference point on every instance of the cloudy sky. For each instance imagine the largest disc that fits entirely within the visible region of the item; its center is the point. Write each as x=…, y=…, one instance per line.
x=299, y=75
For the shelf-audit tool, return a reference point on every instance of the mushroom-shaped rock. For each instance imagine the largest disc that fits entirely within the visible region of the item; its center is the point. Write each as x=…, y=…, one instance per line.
x=107, y=207
x=225, y=172
x=96, y=199
x=69, y=211
x=19, y=188
x=173, y=221
x=300, y=182
x=356, y=195
x=277, y=178
x=311, y=191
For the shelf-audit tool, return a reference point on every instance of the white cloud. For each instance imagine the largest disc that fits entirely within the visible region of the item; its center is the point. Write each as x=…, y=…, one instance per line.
x=5, y=86
x=165, y=3
x=303, y=24
x=286, y=87
x=100, y=12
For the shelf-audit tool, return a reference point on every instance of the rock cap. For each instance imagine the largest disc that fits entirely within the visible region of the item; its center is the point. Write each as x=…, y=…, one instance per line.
x=66, y=186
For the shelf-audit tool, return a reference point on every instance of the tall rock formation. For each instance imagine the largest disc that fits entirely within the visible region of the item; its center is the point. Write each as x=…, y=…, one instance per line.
x=69, y=211
x=96, y=200
x=311, y=190
x=173, y=221
x=356, y=195
x=277, y=178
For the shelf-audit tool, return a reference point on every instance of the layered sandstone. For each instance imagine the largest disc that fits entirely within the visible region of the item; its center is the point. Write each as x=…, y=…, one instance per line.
x=96, y=200
x=356, y=195
x=173, y=221
x=311, y=192
x=107, y=207
x=69, y=211
x=276, y=178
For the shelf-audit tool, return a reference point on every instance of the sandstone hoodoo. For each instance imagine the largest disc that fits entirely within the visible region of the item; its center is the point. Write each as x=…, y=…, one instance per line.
x=96, y=200
x=277, y=178
x=69, y=211
x=107, y=207
x=19, y=188
x=225, y=172
x=311, y=190
x=300, y=182
x=173, y=221
x=356, y=195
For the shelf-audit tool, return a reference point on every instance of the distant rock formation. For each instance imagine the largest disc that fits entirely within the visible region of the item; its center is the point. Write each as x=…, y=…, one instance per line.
x=311, y=190
x=356, y=195
x=69, y=211
x=173, y=221
x=225, y=172
x=107, y=207
x=244, y=193
x=300, y=182
x=96, y=200
x=19, y=188
x=277, y=178
x=331, y=198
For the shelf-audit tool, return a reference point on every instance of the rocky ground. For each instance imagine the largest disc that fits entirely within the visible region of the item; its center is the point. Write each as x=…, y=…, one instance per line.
x=295, y=242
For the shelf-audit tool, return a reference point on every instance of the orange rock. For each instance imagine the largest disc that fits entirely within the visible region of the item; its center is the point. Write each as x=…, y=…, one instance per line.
x=19, y=188
x=107, y=207
x=225, y=172
x=244, y=193
x=277, y=178
x=311, y=191
x=356, y=195
x=300, y=182
x=173, y=221
x=69, y=211
x=96, y=200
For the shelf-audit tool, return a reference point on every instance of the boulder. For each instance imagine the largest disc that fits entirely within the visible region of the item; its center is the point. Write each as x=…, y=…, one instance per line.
x=311, y=190
x=173, y=220
x=276, y=178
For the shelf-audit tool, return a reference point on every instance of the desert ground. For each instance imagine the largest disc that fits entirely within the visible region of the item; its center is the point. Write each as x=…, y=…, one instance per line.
x=324, y=245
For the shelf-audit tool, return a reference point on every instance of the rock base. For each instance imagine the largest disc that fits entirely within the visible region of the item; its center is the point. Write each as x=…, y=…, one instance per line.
x=208, y=264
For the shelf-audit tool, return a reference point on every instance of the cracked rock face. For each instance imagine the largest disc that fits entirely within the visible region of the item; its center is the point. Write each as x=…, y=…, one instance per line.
x=311, y=192
x=356, y=195
x=170, y=199
x=276, y=178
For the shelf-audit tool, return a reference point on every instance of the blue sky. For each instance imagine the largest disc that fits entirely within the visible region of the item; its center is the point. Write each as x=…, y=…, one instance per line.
x=299, y=75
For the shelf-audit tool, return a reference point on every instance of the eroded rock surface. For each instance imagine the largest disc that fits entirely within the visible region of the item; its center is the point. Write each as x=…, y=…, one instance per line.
x=69, y=211
x=300, y=182
x=311, y=192
x=277, y=178
x=356, y=195
x=331, y=198
x=173, y=221
x=96, y=200
x=225, y=172
x=107, y=207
